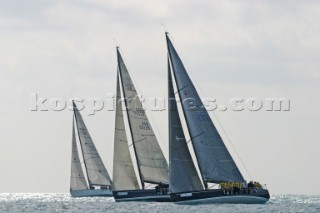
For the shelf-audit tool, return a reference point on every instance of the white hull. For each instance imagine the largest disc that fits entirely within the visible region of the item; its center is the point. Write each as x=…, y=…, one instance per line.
x=235, y=199
x=91, y=193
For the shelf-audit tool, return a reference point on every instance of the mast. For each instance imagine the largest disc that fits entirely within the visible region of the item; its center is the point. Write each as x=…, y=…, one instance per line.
x=183, y=109
x=183, y=174
x=77, y=179
x=124, y=176
x=129, y=122
x=84, y=159
x=96, y=171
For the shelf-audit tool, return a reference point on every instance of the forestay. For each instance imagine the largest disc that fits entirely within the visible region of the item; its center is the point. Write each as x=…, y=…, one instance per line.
x=124, y=177
x=152, y=164
x=215, y=161
x=77, y=180
x=183, y=175
x=96, y=171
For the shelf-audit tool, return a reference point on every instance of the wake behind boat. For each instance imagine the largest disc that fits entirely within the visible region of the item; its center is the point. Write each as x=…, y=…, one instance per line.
x=212, y=156
x=152, y=167
x=99, y=182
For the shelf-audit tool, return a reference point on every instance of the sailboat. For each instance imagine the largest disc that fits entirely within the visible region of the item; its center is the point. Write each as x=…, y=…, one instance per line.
x=99, y=182
x=152, y=167
x=215, y=163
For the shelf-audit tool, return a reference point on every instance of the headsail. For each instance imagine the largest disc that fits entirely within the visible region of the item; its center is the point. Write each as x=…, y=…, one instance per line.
x=151, y=162
x=77, y=181
x=215, y=161
x=96, y=171
x=124, y=177
x=183, y=174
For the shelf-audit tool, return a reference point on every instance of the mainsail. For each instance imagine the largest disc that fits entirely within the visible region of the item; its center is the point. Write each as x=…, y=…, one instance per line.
x=153, y=167
x=96, y=171
x=215, y=162
x=77, y=181
x=124, y=177
x=183, y=174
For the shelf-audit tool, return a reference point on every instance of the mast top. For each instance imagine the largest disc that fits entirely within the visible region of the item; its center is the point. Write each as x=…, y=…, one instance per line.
x=117, y=45
x=165, y=30
x=74, y=106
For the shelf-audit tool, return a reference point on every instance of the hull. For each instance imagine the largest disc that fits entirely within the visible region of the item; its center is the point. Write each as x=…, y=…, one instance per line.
x=149, y=195
x=91, y=193
x=258, y=196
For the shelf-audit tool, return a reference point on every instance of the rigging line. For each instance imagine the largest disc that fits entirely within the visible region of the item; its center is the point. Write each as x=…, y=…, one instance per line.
x=181, y=89
x=115, y=41
x=234, y=149
x=223, y=130
x=135, y=142
x=191, y=138
x=229, y=140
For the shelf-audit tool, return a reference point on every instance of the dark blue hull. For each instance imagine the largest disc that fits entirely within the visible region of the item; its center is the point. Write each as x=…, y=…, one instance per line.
x=141, y=195
x=258, y=196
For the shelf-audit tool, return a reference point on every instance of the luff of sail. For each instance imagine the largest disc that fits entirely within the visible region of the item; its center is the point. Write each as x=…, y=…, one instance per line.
x=215, y=161
x=124, y=177
x=96, y=171
x=183, y=174
x=151, y=162
x=77, y=180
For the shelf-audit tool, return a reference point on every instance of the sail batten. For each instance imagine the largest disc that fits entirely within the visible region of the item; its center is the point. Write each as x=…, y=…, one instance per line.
x=209, y=147
x=78, y=180
x=124, y=177
x=151, y=162
x=96, y=171
x=183, y=174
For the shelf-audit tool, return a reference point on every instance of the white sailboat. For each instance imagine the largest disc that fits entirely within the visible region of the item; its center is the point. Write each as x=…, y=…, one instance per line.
x=212, y=156
x=99, y=182
x=152, y=167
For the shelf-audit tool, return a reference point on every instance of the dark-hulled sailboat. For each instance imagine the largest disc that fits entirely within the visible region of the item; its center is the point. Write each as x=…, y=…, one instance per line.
x=99, y=182
x=152, y=167
x=213, y=158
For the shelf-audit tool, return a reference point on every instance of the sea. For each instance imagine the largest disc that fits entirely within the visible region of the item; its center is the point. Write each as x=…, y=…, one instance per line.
x=62, y=202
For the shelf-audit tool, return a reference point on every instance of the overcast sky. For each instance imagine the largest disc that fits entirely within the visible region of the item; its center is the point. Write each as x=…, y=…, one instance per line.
x=232, y=49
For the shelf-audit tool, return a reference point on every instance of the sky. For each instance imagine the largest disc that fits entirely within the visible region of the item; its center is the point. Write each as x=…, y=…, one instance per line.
x=231, y=49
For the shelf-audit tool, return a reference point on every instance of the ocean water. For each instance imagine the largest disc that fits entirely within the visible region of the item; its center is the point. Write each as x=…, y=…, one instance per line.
x=62, y=202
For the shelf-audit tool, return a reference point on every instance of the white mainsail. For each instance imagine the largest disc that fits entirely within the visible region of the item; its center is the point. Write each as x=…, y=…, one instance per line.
x=215, y=161
x=77, y=180
x=183, y=174
x=124, y=177
x=96, y=171
x=153, y=167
